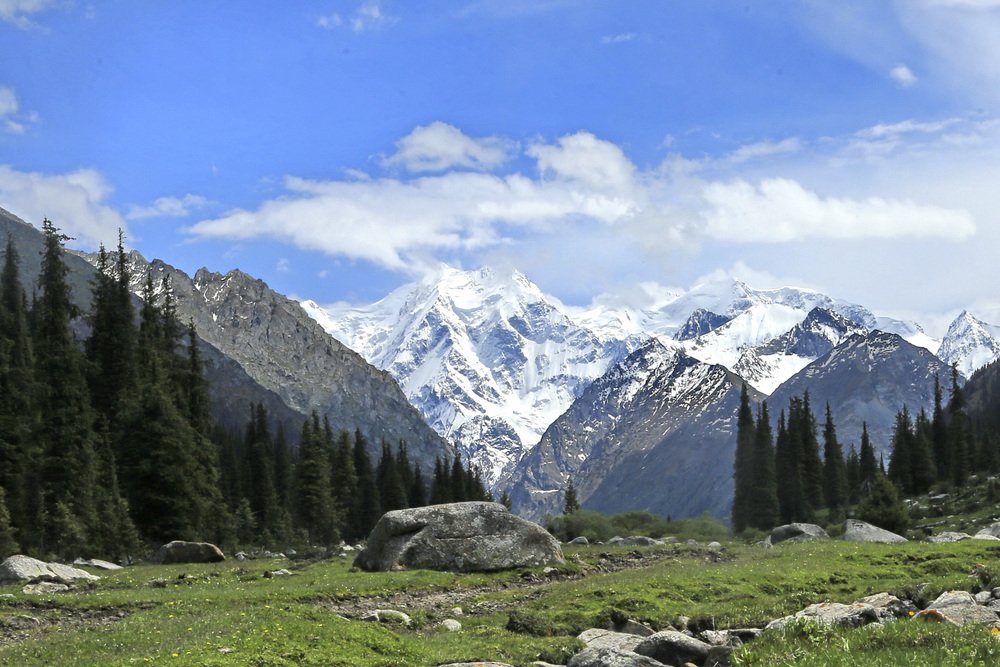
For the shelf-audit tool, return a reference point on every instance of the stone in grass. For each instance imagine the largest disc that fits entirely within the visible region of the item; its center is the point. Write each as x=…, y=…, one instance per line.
x=387, y=616
x=860, y=531
x=22, y=569
x=959, y=607
x=180, y=551
x=600, y=638
x=992, y=530
x=831, y=613
x=797, y=532
x=476, y=664
x=457, y=537
x=579, y=541
x=44, y=588
x=947, y=537
x=450, y=625
x=97, y=563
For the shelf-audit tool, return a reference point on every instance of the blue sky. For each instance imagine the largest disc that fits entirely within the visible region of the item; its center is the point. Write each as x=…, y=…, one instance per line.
x=337, y=149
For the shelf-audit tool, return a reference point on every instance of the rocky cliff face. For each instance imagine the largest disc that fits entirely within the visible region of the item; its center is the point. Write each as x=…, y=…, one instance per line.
x=286, y=352
x=655, y=433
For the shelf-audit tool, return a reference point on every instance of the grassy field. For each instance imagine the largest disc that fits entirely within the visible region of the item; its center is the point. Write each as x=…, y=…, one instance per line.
x=230, y=614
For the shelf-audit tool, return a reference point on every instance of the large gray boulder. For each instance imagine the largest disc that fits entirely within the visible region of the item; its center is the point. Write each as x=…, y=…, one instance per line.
x=24, y=569
x=599, y=638
x=797, y=532
x=859, y=531
x=609, y=656
x=180, y=551
x=832, y=613
x=457, y=537
x=960, y=607
x=992, y=530
x=674, y=648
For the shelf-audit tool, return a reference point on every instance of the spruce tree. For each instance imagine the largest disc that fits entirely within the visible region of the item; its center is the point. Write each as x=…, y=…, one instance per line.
x=811, y=465
x=418, y=489
x=314, y=507
x=883, y=507
x=743, y=461
x=791, y=505
x=441, y=483
x=901, y=459
x=392, y=492
x=868, y=468
x=366, y=508
x=763, y=497
x=939, y=434
x=834, y=470
x=959, y=433
x=852, y=468
x=64, y=433
x=924, y=469
x=343, y=478
x=8, y=534
x=570, y=504
x=459, y=483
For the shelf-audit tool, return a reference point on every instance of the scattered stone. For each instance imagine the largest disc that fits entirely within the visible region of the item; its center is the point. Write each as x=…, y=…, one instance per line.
x=457, y=537
x=225, y=650
x=610, y=656
x=476, y=664
x=157, y=583
x=450, y=625
x=797, y=532
x=550, y=571
x=888, y=606
x=633, y=627
x=692, y=543
x=670, y=540
x=860, y=531
x=984, y=536
x=640, y=540
x=961, y=608
x=456, y=611
x=274, y=554
x=673, y=648
x=947, y=537
x=44, y=588
x=180, y=551
x=580, y=541
x=271, y=574
x=387, y=616
x=831, y=613
x=617, y=539
x=714, y=546
x=24, y=569
x=718, y=656
x=983, y=597
x=97, y=563
x=241, y=556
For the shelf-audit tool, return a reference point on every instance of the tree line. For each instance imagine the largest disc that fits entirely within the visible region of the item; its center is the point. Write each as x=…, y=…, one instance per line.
x=108, y=445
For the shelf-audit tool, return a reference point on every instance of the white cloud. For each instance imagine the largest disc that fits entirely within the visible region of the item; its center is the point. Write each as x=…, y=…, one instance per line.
x=903, y=75
x=585, y=159
x=283, y=265
x=167, y=207
x=764, y=149
x=73, y=201
x=780, y=210
x=18, y=12
x=11, y=121
x=441, y=146
x=367, y=16
x=619, y=38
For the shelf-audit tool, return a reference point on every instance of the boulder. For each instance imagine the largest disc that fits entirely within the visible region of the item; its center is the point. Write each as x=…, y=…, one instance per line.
x=476, y=664
x=180, y=551
x=44, y=588
x=450, y=625
x=24, y=569
x=640, y=541
x=992, y=530
x=674, y=648
x=580, y=541
x=888, y=606
x=797, y=532
x=457, y=537
x=959, y=607
x=387, y=616
x=859, y=531
x=609, y=656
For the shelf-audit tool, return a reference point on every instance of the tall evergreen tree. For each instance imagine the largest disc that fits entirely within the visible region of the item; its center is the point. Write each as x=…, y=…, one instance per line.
x=65, y=432
x=763, y=497
x=392, y=492
x=834, y=470
x=441, y=483
x=939, y=430
x=343, y=478
x=868, y=467
x=314, y=507
x=811, y=465
x=418, y=489
x=367, y=508
x=743, y=461
x=852, y=466
x=924, y=468
x=791, y=503
x=571, y=503
x=959, y=433
x=901, y=460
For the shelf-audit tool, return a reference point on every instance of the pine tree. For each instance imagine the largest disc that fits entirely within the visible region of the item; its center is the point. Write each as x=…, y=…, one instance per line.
x=835, y=493
x=939, y=434
x=505, y=499
x=392, y=493
x=8, y=539
x=811, y=466
x=314, y=507
x=570, y=504
x=852, y=468
x=883, y=507
x=901, y=460
x=459, y=484
x=791, y=505
x=742, y=466
x=868, y=468
x=64, y=434
x=418, y=490
x=959, y=433
x=763, y=513
x=259, y=450
x=366, y=508
x=924, y=469
x=441, y=483
x=343, y=478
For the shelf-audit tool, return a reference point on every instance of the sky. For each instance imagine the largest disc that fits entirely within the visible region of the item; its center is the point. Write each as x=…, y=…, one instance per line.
x=340, y=148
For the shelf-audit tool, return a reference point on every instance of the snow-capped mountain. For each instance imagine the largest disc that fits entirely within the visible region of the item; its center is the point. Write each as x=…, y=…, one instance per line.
x=970, y=343
x=486, y=357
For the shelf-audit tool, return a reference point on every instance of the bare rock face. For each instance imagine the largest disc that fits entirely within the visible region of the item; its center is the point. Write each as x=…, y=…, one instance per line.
x=179, y=551
x=457, y=537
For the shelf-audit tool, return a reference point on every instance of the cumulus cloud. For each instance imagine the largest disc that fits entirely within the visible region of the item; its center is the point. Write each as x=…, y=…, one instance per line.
x=582, y=186
x=619, y=38
x=167, y=207
x=74, y=201
x=367, y=16
x=903, y=75
x=19, y=12
x=780, y=210
x=441, y=146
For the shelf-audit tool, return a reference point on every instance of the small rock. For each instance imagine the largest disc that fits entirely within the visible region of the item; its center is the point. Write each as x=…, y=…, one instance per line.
x=982, y=597
x=831, y=613
x=387, y=616
x=797, y=532
x=609, y=656
x=456, y=611
x=692, y=543
x=579, y=541
x=993, y=530
x=44, y=588
x=671, y=647
x=947, y=537
x=640, y=540
x=157, y=583
x=599, y=638
x=550, y=571
x=225, y=650
x=240, y=555
x=97, y=563
x=714, y=546
x=670, y=540
x=450, y=625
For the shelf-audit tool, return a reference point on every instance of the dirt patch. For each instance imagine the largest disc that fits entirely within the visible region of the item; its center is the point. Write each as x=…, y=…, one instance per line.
x=28, y=619
x=436, y=602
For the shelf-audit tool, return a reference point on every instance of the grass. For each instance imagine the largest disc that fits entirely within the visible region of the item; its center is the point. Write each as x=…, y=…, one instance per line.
x=229, y=614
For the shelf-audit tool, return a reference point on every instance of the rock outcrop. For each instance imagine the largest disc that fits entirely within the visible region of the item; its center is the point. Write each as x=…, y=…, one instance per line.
x=457, y=537
x=859, y=531
x=24, y=569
